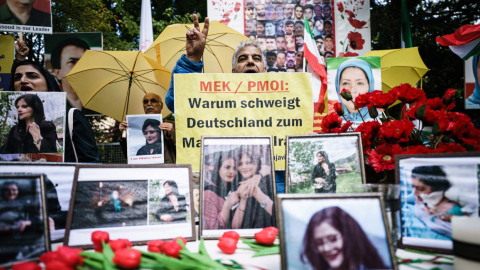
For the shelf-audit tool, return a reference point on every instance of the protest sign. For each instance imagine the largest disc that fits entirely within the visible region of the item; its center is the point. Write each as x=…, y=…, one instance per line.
x=6, y=60
x=240, y=104
x=26, y=16
x=145, y=139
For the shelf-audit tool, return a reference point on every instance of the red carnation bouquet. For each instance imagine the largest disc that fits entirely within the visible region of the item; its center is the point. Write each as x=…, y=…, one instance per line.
x=383, y=139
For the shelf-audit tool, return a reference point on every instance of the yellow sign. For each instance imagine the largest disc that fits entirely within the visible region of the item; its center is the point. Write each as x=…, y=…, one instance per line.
x=6, y=60
x=277, y=104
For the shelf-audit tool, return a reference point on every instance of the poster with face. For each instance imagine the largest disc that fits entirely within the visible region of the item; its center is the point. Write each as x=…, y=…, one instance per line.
x=359, y=75
x=34, y=16
x=6, y=60
x=472, y=83
x=145, y=139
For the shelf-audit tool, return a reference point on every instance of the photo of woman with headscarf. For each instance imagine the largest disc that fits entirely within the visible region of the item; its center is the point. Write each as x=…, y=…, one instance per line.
x=473, y=101
x=173, y=207
x=324, y=174
x=153, y=138
x=32, y=133
x=356, y=76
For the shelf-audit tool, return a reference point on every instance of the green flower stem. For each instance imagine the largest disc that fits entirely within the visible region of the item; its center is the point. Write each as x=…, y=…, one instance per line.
x=93, y=264
x=356, y=108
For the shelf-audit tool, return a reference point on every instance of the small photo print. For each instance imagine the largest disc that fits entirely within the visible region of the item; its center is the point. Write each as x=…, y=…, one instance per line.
x=145, y=139
x=433, y=191
x=324, y=163
x=110, y=204
x=169, y=202
x=325, y=233
x=22, y=223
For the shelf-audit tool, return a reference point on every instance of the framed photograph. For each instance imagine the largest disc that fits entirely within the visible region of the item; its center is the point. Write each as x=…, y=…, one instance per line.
x=58, y=188
x=34, y=126
x=436, y=187
x=137, y=202
x=472, y=83
x=328, y=231
x=23, y=218
x=237, y=185
x=145, y=139
x=38, y=14
x=324, y=163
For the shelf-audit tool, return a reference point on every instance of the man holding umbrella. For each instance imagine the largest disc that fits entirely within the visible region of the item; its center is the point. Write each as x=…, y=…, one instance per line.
x=248, y=57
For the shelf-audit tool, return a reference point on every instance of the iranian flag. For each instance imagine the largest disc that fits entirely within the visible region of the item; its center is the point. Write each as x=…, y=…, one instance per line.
x=319, y=74
x=465, y=42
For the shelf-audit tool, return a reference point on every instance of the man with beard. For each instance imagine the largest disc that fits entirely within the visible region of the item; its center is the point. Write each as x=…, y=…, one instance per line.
x=22, y=12
x=289, y=11
x=280, y=59
x=299, y=43
x=319, y=42
x=280, y=40
x=251, y=28
x=327, y=13
x=327, y=28
x=260, y=11
x=271, y=46
x=249, y=13
x=290, y=60
x=260, y=28
x=299, y=60
x=289, y=28
x=271, y=60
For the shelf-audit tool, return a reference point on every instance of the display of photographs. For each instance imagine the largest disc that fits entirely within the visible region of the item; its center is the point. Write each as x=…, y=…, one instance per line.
x=326, y=231
x=33, y=126
x=23, y=218
x=237, y=185
x=58, y=186
x=472, y=83
x=359, y=75
x=436, y=187
x=137, y=202
x=324, y=163
x=145, y=139
x=33, y=16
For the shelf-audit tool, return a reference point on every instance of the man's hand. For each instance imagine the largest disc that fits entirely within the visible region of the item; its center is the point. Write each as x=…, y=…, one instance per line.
x=22, y=50
x=320, y=180
x=168, y=127
x=22, y=224
x=123, y=126
x=196, y=40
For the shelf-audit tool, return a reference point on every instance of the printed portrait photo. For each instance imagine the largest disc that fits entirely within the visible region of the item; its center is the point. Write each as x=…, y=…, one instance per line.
x=22, y=224
x=168, y=202
x=324, y=163
x=238, y=185
x=31, y=13
x=144, y=138
x=110, y=204
x=33, y=126
x=433, y=191
x=324, y=233
x=472, y=83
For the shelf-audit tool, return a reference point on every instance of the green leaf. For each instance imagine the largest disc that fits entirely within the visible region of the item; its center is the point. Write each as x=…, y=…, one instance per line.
x=108, y=255
x=92, y=263
x=341, y=42
x=92, y=255
x=202, y=249
x=343, y=17
x=268, y=251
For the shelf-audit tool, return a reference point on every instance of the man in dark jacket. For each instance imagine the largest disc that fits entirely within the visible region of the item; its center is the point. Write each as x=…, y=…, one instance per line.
x=22, y=13
x=152, y=104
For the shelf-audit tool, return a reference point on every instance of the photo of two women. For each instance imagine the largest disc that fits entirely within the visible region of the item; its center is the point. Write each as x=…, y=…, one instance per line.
x=238, y=188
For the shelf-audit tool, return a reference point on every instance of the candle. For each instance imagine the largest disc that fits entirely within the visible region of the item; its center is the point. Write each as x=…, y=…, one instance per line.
x=466, y=242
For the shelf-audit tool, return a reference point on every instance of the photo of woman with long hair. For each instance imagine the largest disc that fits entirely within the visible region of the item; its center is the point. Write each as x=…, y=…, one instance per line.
x=153, y=138
x=335, y=240
x=32, y=133
x=324, y=174
x=173, y=207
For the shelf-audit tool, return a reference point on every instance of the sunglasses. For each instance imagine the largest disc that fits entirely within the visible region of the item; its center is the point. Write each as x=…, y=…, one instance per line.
x=149, y=132
x=145, y=101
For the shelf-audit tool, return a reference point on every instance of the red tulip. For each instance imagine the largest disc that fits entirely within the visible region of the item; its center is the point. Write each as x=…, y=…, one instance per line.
x=231, y=234
x=227, y=244
x=127, y=258
x=57, y=265
x=69, y=255
x=99, y=236
x=181, y=238
x=49, y=256
x=155, y=246
x=172, y=249
x=271, y=228
x=266, y=237
x=26, y=266
x=120, y=244
x=98, y=247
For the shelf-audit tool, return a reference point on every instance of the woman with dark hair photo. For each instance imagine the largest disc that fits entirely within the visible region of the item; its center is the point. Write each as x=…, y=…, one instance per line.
x=32, y=134
x=324, y=175
x=256, y=191
x=173, y=207
x=153, y=137
x=334, y=240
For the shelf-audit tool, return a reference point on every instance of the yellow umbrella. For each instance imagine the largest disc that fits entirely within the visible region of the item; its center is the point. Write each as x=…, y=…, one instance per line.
x=400, y=66
x=217, y=57
x=114, y=82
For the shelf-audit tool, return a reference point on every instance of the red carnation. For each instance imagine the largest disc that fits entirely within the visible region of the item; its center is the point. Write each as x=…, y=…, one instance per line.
x=449, y=96
x=418, y=149
x=347, y=54
x=340, y=6
x=409, y=94
x=434, y=110
x=381, y=100
x=450, y=148
x=338, y=108
x=395, y=131
x=466, y=133
x=356, y=41
x=362, y=100
x=383, y=157
x=369, y=131
x=332, y=123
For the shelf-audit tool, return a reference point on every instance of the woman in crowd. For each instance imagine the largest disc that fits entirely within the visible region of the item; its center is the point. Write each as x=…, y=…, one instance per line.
x=29, y=76
x=298, y=12
x=335, y=240
x=324, y=174
x=356, y=76
x=280, y=28
x=173, y=207
x=153, y=138
x=473, y=101
x=32, y=134
x=256, y=199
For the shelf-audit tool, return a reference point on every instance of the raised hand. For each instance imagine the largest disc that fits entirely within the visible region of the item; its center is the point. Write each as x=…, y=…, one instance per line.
x=22, y=50
x=196, y=40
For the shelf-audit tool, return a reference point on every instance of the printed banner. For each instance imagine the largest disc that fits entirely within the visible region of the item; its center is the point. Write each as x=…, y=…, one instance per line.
x=6, y=60
x=228, y=12
x=352, y=28
x=472, y=81
x=26, y=16
x=240, y=104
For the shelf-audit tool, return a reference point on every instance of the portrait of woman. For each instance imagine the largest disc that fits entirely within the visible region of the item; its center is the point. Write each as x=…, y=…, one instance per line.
x=298, y=12
x=356, y=76
x=270, y=28
x=32, y=133
x=280, y=28
x=318, y=28
x=324, y=174
x=173, y=207
x=153, y=138
x=21, y=228
x=473, y=101
x=334, y=240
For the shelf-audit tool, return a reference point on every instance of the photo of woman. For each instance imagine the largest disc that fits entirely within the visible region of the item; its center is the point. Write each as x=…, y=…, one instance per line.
x=173, y=207
x=32, y=133
x=473, y=101
x=153, y=138
x=324, y=174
